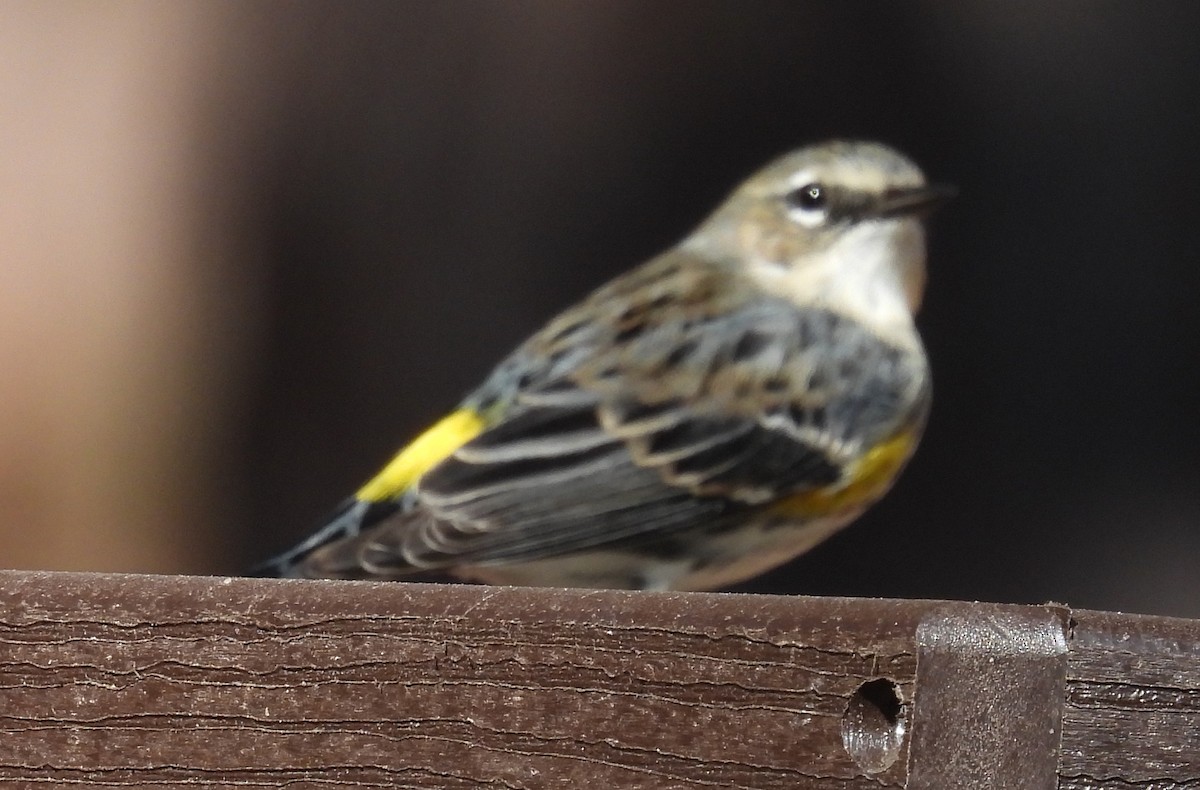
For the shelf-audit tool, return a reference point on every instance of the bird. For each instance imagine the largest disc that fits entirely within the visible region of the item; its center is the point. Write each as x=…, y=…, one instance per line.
x=700, y=419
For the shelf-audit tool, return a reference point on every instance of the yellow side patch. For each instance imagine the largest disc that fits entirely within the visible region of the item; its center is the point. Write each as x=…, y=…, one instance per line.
x=421, y=455
x=868, y=481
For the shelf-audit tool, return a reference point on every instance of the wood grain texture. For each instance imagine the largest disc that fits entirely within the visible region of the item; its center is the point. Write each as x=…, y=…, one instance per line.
x=140, y=681
x=1131, y=717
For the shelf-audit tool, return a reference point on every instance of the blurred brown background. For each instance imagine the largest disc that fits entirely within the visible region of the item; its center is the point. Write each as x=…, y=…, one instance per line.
x=247, y=249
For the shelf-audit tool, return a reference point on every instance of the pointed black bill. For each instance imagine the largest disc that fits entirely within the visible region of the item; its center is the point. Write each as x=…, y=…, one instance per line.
x=913, y=201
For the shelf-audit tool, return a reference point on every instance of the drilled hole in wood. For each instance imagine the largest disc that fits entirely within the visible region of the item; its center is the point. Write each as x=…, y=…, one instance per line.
x=873, y=725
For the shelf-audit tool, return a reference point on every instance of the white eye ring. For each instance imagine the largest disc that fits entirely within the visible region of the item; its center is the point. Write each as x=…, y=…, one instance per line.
x=809, y=204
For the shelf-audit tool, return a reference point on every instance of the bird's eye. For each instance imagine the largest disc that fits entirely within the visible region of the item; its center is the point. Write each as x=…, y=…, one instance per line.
x=809, y=196
x=808, y=203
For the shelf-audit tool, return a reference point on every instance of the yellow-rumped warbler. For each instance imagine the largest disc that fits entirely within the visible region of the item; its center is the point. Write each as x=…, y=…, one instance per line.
x=696, y=421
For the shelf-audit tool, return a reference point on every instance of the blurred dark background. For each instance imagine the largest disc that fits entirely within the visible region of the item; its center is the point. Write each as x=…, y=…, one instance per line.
x=385, y=198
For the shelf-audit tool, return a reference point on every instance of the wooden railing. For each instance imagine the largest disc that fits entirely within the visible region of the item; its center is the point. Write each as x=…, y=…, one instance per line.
x=144, y=681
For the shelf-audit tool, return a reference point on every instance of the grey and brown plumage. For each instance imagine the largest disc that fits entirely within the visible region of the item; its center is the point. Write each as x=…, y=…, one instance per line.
x=698, y=420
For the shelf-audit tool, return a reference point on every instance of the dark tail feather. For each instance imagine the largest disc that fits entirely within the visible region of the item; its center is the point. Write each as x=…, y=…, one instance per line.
x=346, y=522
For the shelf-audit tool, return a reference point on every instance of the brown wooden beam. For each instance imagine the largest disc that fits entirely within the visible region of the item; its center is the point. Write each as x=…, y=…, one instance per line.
x=139, y=681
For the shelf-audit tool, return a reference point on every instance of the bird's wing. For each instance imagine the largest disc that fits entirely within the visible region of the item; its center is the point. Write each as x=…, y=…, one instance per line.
x=675, y=427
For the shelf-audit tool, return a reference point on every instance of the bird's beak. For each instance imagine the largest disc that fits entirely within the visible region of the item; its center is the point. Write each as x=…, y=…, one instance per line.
x=913, y=201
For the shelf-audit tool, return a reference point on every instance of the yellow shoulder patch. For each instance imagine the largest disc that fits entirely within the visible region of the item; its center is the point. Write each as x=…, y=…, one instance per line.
x=868, y=480
x=421, y=455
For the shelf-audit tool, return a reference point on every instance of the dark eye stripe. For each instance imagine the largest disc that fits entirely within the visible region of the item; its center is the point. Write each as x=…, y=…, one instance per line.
x=839, y=204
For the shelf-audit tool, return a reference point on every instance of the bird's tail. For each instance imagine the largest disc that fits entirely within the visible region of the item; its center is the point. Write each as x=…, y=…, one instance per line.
x=346, y=522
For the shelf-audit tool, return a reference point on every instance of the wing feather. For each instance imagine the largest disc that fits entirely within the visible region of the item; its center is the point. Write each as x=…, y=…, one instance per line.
x=678, y=426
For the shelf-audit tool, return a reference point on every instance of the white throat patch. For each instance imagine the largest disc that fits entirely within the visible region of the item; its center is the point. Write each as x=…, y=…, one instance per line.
x=861, y=275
